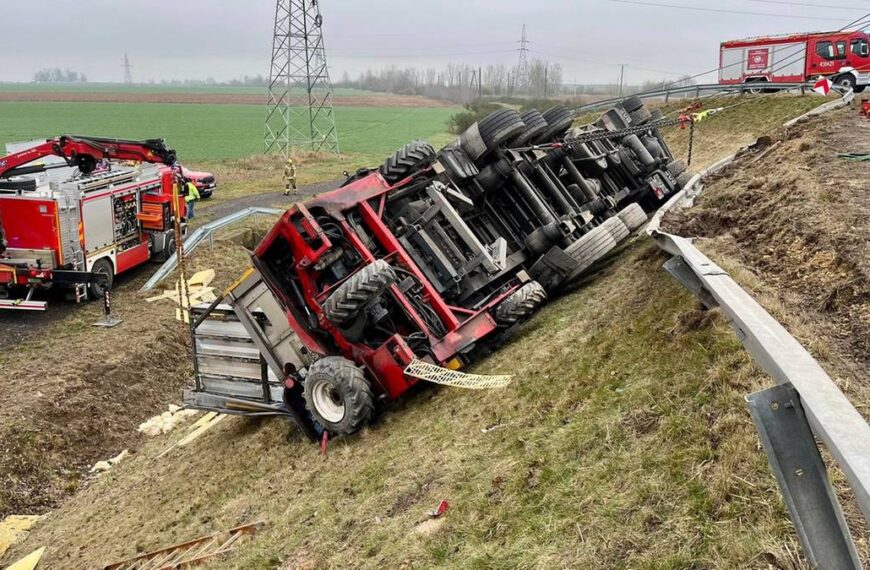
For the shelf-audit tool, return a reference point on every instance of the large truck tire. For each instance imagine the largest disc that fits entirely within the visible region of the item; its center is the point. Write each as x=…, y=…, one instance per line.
x=618, y=230
x=684, y=179
x=559, y=119
x=677, y=167
x=96, y=289
x=359, y=291
x=640, y=117
x=406, y=160
x=590, y=248
x=535, y=125
x=520, y=304
x=632, y=216
x=338, y=396
x=632, y=104
x=487, y=134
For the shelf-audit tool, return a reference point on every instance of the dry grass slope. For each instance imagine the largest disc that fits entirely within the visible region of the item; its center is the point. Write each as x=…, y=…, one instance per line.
x=625, y=443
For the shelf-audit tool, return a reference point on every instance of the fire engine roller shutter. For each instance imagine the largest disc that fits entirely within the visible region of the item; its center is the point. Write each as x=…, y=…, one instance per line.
x=97, y=221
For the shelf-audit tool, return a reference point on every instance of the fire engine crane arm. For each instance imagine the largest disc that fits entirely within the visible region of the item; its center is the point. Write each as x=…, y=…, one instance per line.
x=84, y=152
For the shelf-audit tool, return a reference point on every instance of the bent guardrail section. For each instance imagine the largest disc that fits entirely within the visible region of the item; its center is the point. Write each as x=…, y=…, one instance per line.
x=199, y=234
x=804, y=401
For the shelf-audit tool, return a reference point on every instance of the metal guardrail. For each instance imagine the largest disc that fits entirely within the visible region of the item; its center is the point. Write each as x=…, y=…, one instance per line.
x=696, y=90
x=199, y=234
x=805, y=400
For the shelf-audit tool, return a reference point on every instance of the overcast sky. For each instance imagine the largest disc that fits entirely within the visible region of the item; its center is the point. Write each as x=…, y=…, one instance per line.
x=224, y=39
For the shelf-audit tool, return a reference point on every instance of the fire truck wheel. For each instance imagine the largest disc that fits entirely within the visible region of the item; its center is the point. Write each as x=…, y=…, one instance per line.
x=632, y=216
x=338, y=395
x=847, y=80
x=683, y=179
x=406, y=160
x=677, y=167
x=96, y=289
x=640, y=117
x=859, y=88
x=535, y=124
x=632, y=104
x=559, y=119
x=520, y=304
x=358, y=292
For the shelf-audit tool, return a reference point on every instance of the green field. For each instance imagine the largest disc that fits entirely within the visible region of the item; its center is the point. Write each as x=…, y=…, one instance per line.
x=215, y=132
x=159, y=88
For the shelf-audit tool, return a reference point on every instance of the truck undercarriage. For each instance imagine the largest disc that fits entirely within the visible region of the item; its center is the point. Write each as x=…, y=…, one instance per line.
x=434, y=257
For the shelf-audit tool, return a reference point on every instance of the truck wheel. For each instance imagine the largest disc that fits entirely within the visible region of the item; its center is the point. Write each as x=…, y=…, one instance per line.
x=684, y=179
x=406, y=160
x=677, y=167
x=520, y=304
x=618, y=230
x=859, y=88
x=632, y=216
x=358, y=292
x=559, y=120
x=96, y=289
x=632, y=104
x=338, y=395
x=640, y=117
x=590, y=248
x=847, y=80
x=535, y=125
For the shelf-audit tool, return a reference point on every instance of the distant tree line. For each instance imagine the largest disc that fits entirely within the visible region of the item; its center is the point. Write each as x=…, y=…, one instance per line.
x=58, y=75
x=462, y=82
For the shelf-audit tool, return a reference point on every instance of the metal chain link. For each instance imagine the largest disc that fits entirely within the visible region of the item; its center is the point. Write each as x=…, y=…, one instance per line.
x=606, y=135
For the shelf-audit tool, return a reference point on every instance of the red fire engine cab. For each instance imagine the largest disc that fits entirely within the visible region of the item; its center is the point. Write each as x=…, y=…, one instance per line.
x=794, y=58
x=101, y=219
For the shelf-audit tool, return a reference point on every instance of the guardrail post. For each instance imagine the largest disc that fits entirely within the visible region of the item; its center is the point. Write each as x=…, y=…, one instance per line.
x=680, y=270
x=794, y=459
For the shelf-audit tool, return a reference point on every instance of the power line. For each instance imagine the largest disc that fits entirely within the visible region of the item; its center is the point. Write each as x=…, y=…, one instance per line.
x=720, y=10
x=809, y=5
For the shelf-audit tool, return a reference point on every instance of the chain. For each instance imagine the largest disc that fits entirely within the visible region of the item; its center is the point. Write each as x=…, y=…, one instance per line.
x=606, y=135
x=691, y=142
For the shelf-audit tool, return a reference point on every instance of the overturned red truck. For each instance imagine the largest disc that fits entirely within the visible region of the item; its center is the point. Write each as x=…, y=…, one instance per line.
x=425, y=264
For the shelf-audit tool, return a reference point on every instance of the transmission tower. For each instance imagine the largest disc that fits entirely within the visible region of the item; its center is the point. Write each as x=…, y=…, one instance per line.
x=128, y=70
x=299, y=110
x=522, y=74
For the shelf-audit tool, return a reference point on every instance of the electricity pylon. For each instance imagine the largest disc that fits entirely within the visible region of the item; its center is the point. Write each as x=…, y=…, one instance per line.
x=299, y=109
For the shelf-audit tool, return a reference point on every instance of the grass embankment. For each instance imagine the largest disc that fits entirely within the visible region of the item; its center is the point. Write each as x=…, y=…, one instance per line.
x=723, y=133
x=623, y=442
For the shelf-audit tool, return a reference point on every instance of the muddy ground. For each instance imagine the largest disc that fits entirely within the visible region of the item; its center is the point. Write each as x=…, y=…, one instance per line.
x=215, y=99
x=797, y=219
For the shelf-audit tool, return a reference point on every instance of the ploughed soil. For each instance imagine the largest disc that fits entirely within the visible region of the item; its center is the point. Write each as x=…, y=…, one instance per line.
x=797, y=217
x=385, y=100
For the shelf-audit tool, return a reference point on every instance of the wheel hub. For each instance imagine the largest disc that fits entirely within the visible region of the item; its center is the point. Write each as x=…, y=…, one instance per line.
x=328, y=402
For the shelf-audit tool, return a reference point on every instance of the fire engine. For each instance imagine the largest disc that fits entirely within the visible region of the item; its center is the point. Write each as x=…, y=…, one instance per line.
x=79, y=232
x=794, y=58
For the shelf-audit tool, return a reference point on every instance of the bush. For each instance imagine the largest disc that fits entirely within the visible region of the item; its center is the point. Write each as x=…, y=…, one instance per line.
x=473, y=112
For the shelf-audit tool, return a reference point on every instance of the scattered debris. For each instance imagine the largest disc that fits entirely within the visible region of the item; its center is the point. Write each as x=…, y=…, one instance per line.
x=13, y=527
x=438, y=375
x=101, y=466
x=165, y=422
x=29, y=562
x=199, y=427
x=188, y=553
x=440, y=509
x=198, y=290
x=492, y=428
